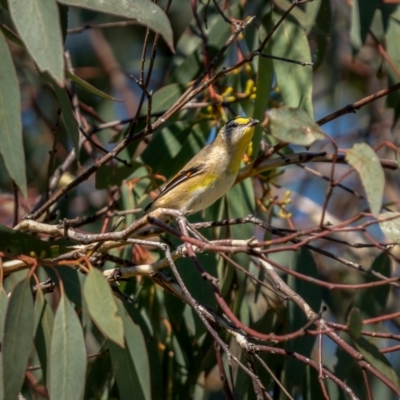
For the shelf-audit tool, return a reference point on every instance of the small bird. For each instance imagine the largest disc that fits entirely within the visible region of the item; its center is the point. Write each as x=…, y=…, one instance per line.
x=210, y=173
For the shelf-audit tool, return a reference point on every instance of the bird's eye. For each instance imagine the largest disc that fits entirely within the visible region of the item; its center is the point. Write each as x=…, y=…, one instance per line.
x=235, y=125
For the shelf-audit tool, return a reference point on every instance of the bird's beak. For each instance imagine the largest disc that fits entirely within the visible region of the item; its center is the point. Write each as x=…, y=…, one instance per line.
x=253, y=122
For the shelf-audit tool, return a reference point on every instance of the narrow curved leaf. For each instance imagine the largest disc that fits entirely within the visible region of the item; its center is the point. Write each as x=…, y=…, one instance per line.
x=374, y=357
x=392, y=34
x=365, y=161
x=391, y=227
x=125, y=373
x=355, y=322
x=164, y=98
x=265, y=78
x=137, y=349
x=303, y=262
x=240, y=201
x=294, y=80
x=17, y=342
x=362, y=14
x=109, y=175
x=43, y=328
x=11, y=35
x=144, y=11
x=3, y=309
x=16, y=242
x=102, y=308
x=67, y=115
x=372, y=301
x=38, y=24
x=294, y=125
x=88, y=87
x=67, y=354
x=11, y=147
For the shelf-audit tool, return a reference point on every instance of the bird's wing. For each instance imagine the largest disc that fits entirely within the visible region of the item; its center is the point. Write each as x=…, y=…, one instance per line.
x=180, y=177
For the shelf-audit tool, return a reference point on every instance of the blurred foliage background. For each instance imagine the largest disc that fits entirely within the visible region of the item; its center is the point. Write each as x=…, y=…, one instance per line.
x=69, y=85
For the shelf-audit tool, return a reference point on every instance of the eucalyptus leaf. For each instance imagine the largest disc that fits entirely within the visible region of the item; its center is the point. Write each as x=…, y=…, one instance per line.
x=144, y=11
x=355, y=322
x=44, y=321
x=11, y=146
x=88, y=87
x=125, y=373
x=16, y=242
x=365, y=161
x=102, y=308
x=372, y=301
x=164, y=98
x=3, y=309
x=109, y=175
x=67, y=116
x=303, y=262
x=137, y=349
x=17, y=341
x=263, y=86
x=362, y=14
x=379, y=361
x=294, y=80
x=391, y=227
x=294, y=125
x=67, y=355
x=38, y=25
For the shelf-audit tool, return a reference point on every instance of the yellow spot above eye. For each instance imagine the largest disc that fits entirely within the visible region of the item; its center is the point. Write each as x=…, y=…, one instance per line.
x=242, y=121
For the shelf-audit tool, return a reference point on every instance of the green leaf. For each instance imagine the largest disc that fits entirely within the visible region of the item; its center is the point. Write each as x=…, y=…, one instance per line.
x=375, y=358
x=38, y=25
x=294, y=125
x=110, y=175
x=165, y=146
x=312, y=385
x=294, y=80
x=344, y=360
x=67, y=354
x=3, y=309
x=321, y=31
x=102, y=308
x=125, y=373
x=365, y=161
x=265, y=78
x=391, y=227
x=99, y=376
x=16, y=242
x=11, y=35
x=355, y=322
x=373, y=300
x=240, y=201
x=67, y=115
x=164, y=98
x=11, y=146
x=362, y=14
x=43, y=326
x=63, y=11
x=382, y=265
x=144, y=11
x=187, y=64
x=88, y=87
x=392, y=34
x=305, y=18
x=303, y=262
x=72, y=280
x=17, y=342
x=137, y=349
x=140, y=316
